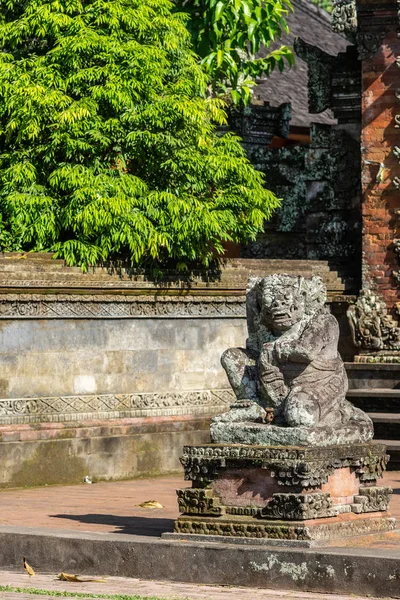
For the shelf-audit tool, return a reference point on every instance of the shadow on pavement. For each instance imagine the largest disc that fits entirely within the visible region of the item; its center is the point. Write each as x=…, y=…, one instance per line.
x=152, y=526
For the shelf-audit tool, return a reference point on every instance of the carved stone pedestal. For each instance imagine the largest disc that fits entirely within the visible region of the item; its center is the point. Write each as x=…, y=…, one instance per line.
x=286, y=493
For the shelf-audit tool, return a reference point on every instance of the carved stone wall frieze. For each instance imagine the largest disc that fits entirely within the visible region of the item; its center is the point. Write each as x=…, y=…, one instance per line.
x=115, y=307
x=69, y=408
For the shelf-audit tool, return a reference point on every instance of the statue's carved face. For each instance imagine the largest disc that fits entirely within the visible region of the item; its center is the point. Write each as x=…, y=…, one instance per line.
x=282, y=307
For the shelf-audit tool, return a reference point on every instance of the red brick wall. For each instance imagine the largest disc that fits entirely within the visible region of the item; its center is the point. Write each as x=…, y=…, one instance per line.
x=381, y=78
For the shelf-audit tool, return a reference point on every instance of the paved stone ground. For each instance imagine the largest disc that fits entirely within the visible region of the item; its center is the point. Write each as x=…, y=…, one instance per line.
x=118, y=585
x=112, y=507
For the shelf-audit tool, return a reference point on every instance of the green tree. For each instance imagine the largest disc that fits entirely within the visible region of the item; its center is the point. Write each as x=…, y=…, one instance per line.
x=228, y=34
x=108, y=144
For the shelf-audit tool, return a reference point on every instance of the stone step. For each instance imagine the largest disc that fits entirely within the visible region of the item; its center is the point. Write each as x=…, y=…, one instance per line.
x=374, y=393
x=75, y=278
x=11, y=260
x=26, y=266
x=40, y=270
x=45, y=256
x=226, y=263
x=386, y=426
x=390, y=418
x=376, y=400
x=373, y=376
x=393, y=449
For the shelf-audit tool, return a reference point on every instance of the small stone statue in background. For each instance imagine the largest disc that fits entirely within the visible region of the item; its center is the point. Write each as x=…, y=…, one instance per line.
x=290, y=366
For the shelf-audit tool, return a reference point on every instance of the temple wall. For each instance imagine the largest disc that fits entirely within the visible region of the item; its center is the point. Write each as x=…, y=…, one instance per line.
x=110, y=375
x=57, y=369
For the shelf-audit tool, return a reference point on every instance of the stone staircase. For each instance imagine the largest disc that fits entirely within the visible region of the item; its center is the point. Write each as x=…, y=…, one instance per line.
x=40, y=272
x=375, y=388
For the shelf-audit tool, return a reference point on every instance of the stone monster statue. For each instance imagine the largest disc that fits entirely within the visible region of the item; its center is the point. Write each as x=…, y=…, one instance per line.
x=290, y=372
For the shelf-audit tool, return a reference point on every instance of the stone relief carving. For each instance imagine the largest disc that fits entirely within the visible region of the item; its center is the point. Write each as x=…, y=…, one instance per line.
x=288, y=466
x=73, y=306
x=372, y=499
x=369, y=42
x=324, y=72
x=344, y=18
x=320, y=65
x=290, y=366
x=27, y=410
x=299, y=507
x=198, y=501
x=372, y=328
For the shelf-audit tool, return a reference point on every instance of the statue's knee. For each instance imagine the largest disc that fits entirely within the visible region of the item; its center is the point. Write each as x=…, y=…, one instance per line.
x=234, y=357
x=301, y=410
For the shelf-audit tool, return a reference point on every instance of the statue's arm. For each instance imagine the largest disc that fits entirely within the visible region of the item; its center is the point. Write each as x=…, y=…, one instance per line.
x=320, y=336
x=272, y=385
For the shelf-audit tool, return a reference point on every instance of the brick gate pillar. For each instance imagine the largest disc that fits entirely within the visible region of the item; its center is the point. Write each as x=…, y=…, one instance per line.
x=378, y=47
x=374, y=27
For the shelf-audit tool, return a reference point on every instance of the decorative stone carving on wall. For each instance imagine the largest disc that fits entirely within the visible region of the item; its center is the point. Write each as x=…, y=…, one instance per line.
x=320, y=217
x=369, y=42
x=259, y=123
x=111, y=406
x=373, y=328
x=344, y=18
x=320, y=66
x=333, y=81
x=47, y=306
x=290, y=371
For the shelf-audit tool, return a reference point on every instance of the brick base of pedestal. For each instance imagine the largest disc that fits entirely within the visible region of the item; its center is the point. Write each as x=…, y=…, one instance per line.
x=284, y=493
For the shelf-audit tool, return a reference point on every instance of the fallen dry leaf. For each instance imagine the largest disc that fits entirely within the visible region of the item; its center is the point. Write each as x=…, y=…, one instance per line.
x=28, y=568
x=75, y=579
x=151, y=504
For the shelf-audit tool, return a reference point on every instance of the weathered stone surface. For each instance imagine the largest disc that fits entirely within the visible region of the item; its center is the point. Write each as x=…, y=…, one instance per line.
x=302, y=467
x=257, y=433
x=372, y=499
x=198, y=501
x=64, y=453
x=320, y=216
x=373, y=328
x=291, y=365
x=284, y=530
x=284, y=493
x=299, y=507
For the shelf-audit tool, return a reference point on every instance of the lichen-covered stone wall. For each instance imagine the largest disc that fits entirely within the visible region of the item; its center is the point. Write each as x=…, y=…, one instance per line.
x=320, y=216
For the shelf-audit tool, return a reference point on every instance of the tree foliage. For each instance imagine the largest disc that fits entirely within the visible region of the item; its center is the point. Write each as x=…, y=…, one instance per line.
x=108, y=144
x=228, y=34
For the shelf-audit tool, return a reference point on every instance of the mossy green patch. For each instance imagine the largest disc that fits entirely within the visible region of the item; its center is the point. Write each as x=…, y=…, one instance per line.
x=51, y=462
x=87, y=596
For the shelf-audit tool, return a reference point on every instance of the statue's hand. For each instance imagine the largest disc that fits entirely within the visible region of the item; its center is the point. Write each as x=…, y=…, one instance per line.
x=272, y=385
x=267, y=355
x=294, y=351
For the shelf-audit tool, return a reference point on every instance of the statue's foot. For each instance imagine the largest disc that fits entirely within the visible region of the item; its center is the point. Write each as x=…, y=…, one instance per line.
x=243, y=412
